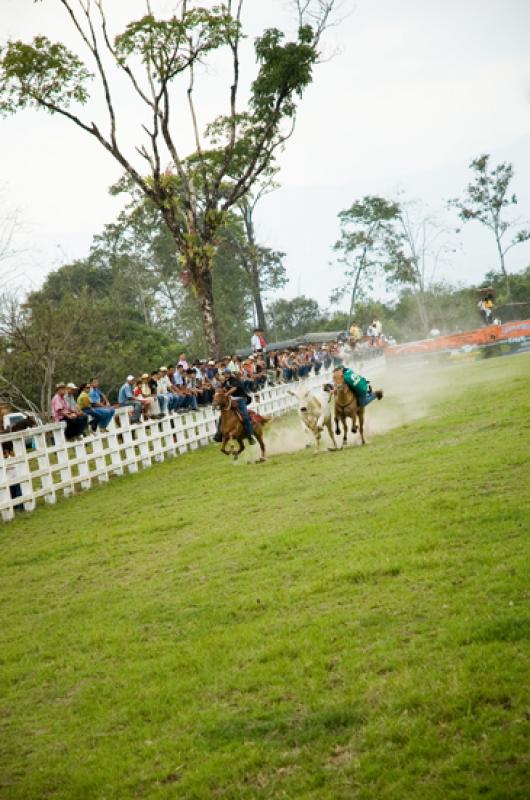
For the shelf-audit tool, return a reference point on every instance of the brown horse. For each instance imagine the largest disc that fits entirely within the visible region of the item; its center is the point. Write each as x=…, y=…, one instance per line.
x=232, y=427
x=347, y=407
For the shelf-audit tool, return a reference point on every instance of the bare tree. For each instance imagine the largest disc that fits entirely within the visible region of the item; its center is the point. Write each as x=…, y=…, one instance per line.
x=424, y=245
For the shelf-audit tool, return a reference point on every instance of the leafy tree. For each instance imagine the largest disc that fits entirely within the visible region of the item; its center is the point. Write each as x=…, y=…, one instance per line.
x=76, y=326
x=289, y=318
x=139, y=247
x=368, y=244
x=157, y=56
x=486, y=197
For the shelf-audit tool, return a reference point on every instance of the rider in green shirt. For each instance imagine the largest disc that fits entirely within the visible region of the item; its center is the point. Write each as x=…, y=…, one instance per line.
x=360, y=387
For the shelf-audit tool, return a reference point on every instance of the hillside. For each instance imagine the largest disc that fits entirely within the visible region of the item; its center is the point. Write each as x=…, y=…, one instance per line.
x=348, y=625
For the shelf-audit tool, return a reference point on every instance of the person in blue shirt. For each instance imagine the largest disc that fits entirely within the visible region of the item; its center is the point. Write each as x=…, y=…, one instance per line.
x=100, y=410
x=126, y=398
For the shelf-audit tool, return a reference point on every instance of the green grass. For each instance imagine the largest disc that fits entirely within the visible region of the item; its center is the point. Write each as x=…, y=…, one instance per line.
x=350, y=625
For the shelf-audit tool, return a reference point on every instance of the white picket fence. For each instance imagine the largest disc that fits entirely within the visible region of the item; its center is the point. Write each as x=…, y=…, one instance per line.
x=53, y=467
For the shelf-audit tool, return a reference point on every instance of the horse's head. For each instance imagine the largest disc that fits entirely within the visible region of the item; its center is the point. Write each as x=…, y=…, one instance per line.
x=338, y=378
x=221, y=399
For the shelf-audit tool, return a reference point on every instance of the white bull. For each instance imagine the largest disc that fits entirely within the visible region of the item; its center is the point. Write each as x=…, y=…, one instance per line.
x=315, y=410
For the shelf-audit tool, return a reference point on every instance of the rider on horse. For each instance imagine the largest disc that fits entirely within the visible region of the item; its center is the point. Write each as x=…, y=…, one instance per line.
x=235, y=388
x=359, y=386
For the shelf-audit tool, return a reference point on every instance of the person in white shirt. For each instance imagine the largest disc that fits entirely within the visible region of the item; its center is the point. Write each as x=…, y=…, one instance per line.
x=258, y=342
x=166, y=390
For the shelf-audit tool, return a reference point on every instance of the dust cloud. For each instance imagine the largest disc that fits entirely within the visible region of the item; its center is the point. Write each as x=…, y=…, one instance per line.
x=410, y=392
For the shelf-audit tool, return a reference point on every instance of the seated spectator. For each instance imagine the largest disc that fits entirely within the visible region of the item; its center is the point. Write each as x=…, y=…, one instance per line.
x=126, y=397
x=146, y=392
x=62, y=411
x=166, y=391
x=98, y=415
x=211, y=369
x=97, y=398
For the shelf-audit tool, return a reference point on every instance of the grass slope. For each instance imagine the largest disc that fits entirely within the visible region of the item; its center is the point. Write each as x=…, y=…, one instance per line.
x=343, y=626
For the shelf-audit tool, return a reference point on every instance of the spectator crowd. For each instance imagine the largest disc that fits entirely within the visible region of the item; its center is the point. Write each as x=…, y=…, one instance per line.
x=185, y=386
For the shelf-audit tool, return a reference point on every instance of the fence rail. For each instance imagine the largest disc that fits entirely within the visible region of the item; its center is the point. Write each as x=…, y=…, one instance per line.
x=52, y=467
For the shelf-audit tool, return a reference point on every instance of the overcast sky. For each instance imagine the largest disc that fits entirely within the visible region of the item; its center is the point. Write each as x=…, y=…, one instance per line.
x=414, y=90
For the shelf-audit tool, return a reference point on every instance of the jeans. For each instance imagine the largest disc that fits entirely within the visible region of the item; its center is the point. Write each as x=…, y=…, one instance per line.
x=243, y=409
x=186, y=402
x=137, y=409
x=366, y=398
x=100, y=417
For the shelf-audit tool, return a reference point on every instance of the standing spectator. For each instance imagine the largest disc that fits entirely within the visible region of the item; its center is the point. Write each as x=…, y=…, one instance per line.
x=75, y=421
x=126, y=398
x=255, y=341
x=326, y=357
x=183, y=362
x=258, y=342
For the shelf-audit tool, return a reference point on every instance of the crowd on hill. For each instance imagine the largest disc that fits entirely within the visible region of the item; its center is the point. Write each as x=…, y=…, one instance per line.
x=184, y=386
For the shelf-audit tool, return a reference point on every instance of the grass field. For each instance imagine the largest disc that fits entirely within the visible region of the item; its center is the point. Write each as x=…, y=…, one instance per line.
x=349, y=625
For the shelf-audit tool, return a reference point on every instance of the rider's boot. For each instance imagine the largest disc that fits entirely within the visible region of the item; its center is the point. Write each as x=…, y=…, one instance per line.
x=251, y=440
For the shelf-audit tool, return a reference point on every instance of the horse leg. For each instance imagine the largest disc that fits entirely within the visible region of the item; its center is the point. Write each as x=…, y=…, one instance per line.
x=337, y=428
x=223, y=446
x=259, y=437
x=360, y=415
x=241, y=448
x=344, y=431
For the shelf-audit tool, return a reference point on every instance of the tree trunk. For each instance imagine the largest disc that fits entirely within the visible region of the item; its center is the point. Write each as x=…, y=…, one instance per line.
x=503, y=265
x=251, y=266
x=424, y=317
x=197, y=250
x=260, y=311
x=354, y=296
x=202, y=283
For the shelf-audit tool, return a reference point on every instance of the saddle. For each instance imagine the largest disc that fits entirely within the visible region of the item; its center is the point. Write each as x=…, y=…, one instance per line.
x=257, y=419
